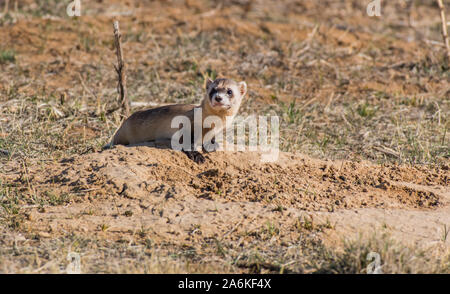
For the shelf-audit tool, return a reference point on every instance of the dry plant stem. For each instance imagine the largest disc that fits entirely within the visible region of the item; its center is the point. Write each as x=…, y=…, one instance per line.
x=6, y=9
x=444, y=28
x=120, y=69
x=410, y=5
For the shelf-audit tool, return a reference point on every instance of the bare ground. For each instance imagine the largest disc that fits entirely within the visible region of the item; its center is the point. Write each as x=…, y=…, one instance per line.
x=364, y=106
x=143, y=194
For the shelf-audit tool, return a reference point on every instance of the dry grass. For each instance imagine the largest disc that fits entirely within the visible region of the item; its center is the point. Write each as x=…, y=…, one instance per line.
x=307, y=255
x=345, y=85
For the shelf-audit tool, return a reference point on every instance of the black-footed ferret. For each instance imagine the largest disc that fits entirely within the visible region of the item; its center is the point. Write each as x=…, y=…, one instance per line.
x=223, y=98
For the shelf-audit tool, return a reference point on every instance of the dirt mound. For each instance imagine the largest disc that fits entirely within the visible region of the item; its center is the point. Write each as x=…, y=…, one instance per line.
x=293, y=181
x=159, y=197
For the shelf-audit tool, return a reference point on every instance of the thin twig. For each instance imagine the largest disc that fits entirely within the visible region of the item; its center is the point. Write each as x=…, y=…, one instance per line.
x=232, y=230
x=444, y=28
x=6, y=8
x=120, y=69
x=386, y=151
x=85, y=87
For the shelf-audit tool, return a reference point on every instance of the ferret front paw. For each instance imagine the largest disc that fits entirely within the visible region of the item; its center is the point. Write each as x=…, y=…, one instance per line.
x=195, y=156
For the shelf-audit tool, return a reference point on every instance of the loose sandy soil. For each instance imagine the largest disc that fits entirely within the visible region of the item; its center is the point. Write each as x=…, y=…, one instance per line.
x=363, y=105
x=160, y=194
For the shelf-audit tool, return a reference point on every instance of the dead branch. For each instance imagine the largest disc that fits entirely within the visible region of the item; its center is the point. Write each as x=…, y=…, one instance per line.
x=120, y=69
x=444, y=28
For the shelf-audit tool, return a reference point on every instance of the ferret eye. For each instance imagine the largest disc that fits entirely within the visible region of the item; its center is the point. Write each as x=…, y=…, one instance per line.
x=229, y=92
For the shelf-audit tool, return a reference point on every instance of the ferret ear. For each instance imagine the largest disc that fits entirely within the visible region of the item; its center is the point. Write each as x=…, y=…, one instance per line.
x=243, y=88
x=208, y=83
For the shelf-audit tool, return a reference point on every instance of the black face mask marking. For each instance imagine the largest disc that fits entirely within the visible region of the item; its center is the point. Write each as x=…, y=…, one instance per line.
x=211, y=94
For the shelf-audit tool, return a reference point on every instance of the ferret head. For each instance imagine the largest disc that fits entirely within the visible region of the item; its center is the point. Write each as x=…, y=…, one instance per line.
x=224, y=95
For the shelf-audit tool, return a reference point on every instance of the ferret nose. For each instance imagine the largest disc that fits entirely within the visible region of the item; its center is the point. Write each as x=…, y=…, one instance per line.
x=218, y=98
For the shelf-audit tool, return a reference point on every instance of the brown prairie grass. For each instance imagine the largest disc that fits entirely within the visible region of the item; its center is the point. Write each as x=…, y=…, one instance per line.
x=344, y=85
